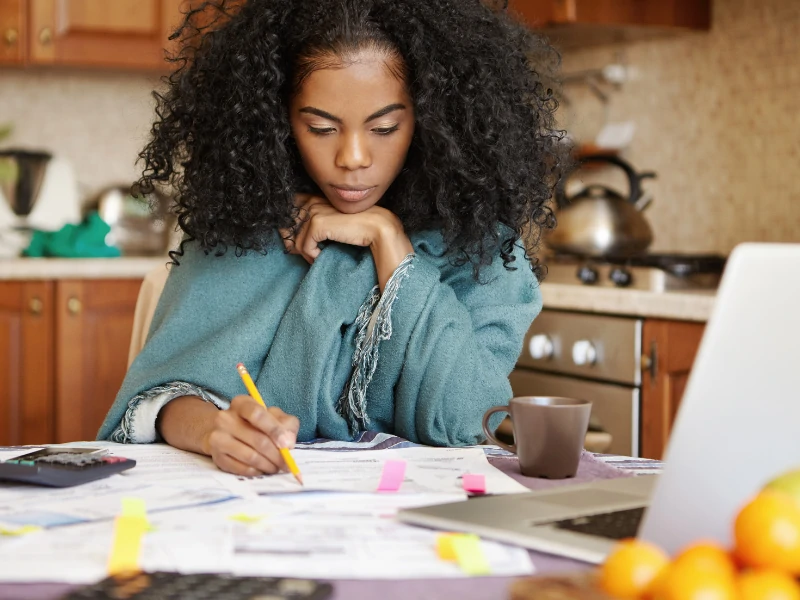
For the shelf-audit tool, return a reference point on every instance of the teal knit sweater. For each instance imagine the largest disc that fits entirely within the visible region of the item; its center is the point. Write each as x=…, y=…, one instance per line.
x=424, y=360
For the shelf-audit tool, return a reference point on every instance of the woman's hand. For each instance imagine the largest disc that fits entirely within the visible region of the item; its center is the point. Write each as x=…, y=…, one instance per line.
x=376, y=228
x=245, y=439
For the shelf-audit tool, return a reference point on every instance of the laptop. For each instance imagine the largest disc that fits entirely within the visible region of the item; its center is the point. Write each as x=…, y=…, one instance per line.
x=737, y=428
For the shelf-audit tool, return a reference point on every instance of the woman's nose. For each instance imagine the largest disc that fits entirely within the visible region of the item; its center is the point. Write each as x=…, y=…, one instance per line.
x=353, y=153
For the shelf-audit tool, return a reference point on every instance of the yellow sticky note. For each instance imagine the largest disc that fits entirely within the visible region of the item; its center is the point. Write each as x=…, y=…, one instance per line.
x=133, y=507
x=245, y=518
x=469, y=555
x=24, y=529
x=127, y=544
x=444, y=546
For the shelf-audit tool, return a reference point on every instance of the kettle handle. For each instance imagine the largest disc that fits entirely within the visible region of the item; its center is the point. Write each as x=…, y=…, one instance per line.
x=634, y=178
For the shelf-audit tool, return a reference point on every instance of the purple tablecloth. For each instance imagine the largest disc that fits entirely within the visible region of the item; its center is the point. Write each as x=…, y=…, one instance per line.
x=477, y=588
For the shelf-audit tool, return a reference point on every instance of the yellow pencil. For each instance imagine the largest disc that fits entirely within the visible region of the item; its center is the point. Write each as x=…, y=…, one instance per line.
x=253, y=390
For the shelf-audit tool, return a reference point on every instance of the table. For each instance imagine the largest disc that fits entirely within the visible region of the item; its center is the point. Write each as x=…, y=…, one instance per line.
x=592, y=467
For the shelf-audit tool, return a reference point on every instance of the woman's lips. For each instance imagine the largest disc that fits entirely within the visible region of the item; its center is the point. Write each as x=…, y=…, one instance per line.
x=350, y=194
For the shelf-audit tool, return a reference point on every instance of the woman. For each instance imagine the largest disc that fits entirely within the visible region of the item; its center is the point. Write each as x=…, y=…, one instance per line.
x=354, y=179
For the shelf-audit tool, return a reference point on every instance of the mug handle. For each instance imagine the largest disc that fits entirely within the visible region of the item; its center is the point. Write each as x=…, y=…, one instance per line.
x=486, y=416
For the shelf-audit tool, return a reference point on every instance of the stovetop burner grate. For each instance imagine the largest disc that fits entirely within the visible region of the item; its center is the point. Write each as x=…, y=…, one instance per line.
x=655, y=272
x=680, y=265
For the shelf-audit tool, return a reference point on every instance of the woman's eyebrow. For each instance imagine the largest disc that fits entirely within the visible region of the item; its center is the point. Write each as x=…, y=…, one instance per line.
x=326, y=115
x=384, y=111
x=320, y=113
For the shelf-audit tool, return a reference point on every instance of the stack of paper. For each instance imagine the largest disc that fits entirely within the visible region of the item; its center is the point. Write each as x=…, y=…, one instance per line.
x=203, y=520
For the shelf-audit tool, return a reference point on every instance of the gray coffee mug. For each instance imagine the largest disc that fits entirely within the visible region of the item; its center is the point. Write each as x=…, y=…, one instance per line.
x=549, y=433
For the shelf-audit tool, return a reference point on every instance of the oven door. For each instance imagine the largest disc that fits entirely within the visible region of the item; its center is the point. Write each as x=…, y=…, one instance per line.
x=615, y=408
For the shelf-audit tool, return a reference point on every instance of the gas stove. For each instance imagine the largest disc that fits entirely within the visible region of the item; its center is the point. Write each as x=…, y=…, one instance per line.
x=652, y=272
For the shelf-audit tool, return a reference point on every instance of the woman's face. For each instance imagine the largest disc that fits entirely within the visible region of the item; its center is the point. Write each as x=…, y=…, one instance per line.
x=353, y=125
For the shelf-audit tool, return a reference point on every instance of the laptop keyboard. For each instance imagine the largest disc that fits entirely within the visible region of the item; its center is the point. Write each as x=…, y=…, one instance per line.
x=615, y=525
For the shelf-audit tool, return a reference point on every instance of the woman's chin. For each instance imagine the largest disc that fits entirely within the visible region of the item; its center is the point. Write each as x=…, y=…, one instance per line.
x=350, y=208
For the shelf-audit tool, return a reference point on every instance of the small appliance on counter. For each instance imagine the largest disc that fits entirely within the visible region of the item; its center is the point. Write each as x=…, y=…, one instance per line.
x=37, y=192
x=140, y=225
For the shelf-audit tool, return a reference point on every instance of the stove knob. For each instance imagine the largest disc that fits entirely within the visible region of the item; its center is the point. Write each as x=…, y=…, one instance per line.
x=584, y=353
x=621, y=277
x=540, y=347
x=587, y=275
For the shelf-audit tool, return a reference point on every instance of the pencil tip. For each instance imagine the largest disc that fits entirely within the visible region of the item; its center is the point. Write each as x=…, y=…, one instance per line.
x=300, y=479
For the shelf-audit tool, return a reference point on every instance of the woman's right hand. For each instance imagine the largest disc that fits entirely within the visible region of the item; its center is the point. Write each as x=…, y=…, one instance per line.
x=245, y=439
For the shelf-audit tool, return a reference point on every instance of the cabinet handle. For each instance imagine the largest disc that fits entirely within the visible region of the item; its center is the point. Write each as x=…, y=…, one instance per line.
x=11, y=36
x=46, y=36
x=650, y=362
x=36, y=306
x=74, y=306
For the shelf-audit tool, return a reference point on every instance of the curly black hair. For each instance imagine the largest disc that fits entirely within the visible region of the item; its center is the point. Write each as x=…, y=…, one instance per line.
x=485, y=149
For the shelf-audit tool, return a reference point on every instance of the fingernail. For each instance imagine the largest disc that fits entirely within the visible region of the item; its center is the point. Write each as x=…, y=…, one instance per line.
x=285, y=441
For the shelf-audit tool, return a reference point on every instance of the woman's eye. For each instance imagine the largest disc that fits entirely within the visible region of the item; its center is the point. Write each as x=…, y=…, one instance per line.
x=321, y=130
x=385, y=130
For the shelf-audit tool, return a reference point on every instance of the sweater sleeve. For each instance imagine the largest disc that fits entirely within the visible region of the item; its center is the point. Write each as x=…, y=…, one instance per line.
x=461, y=341
x=138, y=424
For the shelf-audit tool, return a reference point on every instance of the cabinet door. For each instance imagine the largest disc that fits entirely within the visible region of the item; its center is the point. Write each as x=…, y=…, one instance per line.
x=26, y=362
x=12, y=32
x=118, y=33
x=694, y=14
x=670, y=348
x=94, y=319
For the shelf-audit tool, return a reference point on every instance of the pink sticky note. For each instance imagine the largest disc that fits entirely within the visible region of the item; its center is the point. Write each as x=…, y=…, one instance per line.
x=474, y=483
x=392, y=477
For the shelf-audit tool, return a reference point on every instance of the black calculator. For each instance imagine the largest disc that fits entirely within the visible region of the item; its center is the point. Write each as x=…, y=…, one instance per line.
x=62, y=467
x=202, y=586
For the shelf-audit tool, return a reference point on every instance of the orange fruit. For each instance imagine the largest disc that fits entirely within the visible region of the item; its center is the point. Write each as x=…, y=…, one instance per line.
x=767, y=584
x=631, y=568
x=685, y=581
x=767, y=533
x=707, y=555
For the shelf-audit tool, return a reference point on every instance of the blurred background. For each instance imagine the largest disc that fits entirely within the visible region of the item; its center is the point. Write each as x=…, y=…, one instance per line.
x=707, y=99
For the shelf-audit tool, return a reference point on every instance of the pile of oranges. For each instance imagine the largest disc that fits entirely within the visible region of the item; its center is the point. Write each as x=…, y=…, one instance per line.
x=763, y=564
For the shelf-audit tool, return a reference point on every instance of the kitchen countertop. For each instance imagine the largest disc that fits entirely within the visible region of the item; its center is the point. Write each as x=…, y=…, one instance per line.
x=79, y=268
x=694, y=305
x=683, y=305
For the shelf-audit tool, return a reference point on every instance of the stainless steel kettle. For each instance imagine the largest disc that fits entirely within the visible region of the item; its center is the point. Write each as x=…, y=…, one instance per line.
x=599, y=221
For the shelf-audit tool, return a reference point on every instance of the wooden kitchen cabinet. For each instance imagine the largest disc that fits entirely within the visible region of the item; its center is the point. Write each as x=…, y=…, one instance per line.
x=63, y=355
x=94, y=320
x=13, y=31
x=26, y=362
x=669, y=348
x=102, y=33
x=573, y=23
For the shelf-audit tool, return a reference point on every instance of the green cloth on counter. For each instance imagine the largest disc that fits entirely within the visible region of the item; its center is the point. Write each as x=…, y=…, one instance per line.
x=85, y=240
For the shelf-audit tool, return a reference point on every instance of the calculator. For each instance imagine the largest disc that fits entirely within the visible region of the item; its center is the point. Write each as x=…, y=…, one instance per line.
x=62, y=467
x=202, y=586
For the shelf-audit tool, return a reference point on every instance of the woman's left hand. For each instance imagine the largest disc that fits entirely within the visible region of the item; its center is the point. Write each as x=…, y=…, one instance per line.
x=320, y=222
x=376, y=228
